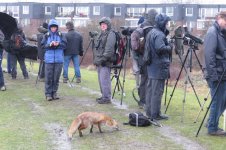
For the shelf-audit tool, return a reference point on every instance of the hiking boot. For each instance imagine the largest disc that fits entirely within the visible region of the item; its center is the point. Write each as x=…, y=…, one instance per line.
x=162, y=117
x=65, y=80
x=78, y=80
x=97, y=99
x=48, y=98
x=217, y=133
x=26, y=77
x=104, y=101
x=3, y=88
x=55, y=97
x=141, y=105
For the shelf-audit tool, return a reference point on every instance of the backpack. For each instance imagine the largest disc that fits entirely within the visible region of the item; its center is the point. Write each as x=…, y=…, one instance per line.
x=119, y=49
x=138, y=38
x=138, y=119
x=18, y=42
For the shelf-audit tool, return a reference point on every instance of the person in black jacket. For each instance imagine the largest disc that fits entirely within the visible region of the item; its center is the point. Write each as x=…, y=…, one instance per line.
x=158, y=70
x=73, y=50
x=215, y=64
x=16, y=56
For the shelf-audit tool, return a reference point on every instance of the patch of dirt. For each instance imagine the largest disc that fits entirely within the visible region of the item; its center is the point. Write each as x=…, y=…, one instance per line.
x=179, y=139
x=58, y=136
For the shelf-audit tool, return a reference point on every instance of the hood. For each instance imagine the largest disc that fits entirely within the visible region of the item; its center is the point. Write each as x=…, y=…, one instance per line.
x=107, y=21
x=151, y=16
x=141, y=20
x=53, y=22
x=41, y=29
x=161, y=21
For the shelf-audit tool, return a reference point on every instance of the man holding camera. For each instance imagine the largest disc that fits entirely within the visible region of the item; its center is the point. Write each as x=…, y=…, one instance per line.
x=54, y=44
x=73, y=50
x=215, y=65
x=103, y=54
x=158, y=69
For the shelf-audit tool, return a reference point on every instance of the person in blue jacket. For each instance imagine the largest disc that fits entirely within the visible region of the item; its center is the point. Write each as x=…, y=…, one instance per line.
x=54, y=44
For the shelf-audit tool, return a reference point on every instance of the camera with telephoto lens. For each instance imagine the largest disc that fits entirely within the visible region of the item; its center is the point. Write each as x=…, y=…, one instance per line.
x=93, y=34
x=127, y=31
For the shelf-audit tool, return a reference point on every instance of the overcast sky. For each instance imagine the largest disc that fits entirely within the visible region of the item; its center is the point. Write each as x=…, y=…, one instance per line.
x=125, y=1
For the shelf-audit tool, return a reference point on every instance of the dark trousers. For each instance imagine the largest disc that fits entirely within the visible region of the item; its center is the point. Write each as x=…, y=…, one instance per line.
x=155, y=89
x=143, y=84
x=13, y=60
x=41, y=72
x=52, y=77
x=218, y=104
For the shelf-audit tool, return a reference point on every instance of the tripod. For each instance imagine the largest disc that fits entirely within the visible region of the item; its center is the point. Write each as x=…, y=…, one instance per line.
x=91, y=43
x=189, y=53
x=126, y=50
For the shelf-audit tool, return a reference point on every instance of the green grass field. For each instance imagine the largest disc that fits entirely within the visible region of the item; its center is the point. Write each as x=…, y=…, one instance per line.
x=29, y=122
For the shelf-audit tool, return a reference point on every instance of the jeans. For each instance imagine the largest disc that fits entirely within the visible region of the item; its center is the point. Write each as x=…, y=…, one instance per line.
x=1, y=73
x=104, y=78
x=75, y=60
x=218, y=104
x=52, y=77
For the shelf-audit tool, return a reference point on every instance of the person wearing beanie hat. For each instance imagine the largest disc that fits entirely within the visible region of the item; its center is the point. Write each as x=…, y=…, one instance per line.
x=158, y=69
x=103, y=54
x=73, y=50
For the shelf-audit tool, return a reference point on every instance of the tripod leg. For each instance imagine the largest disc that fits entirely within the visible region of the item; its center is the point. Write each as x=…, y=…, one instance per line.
x=218, y=84
x=198, y=61
x=189, y=79
x=171, y=95
x=201, y=109
x=166, y=91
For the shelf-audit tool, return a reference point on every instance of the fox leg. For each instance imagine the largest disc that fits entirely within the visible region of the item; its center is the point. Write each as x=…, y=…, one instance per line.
x=99, y=128
x=80, y=133
x=91, y=129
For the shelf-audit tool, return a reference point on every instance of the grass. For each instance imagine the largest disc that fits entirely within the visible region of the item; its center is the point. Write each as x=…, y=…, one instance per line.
x=25, y=117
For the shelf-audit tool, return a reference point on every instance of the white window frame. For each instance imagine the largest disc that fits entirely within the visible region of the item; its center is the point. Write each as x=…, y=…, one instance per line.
x=117, y=13
x=82, y=9
x=170, y=14
x=26, y=9
x=46, y=10
x=187, y=11
x=96, y=10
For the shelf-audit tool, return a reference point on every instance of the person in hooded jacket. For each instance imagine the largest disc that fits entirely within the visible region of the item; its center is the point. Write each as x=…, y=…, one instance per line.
x=215, y=65
x=54, y=44
x=103, y=53
x=158, y=70
x=139, y=68
x=73, y=50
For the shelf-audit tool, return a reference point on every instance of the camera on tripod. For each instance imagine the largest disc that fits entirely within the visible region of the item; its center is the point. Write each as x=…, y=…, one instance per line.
x=183, y=37
x=127, y=31
x=92, y=34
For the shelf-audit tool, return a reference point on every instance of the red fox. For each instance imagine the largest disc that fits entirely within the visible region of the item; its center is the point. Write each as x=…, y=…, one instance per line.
x=87, y=119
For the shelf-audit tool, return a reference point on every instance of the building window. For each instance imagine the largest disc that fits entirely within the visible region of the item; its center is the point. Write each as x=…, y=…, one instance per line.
x=82, y=11
x=26, y=10
x=2, y=8
x=14, y=10
x=47, y=10
x=207, y=12
x=96, y=10
x=169, y=11
x=117, y=11
x=135, y=12
x=65, y=11
x=189, y=11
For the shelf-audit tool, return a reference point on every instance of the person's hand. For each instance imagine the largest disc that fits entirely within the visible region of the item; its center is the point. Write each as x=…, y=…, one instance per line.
x=56, y=43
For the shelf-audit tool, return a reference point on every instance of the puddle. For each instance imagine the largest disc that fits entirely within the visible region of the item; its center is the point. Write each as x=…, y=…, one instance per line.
x=58, y=136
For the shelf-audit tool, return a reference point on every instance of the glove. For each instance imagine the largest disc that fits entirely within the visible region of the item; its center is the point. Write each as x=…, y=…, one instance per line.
x=81, y=53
